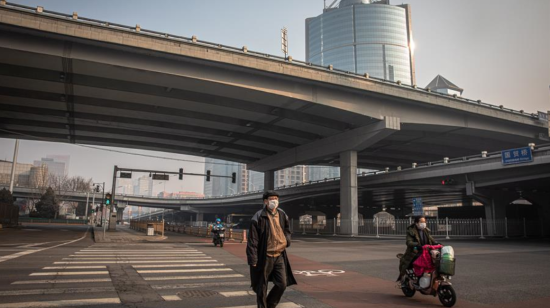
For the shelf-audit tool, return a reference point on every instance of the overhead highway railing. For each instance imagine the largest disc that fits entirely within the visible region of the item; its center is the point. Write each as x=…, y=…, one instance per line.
x=244, y=50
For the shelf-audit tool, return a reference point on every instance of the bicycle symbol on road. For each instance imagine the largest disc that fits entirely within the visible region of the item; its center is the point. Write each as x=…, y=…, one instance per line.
x=322, y=272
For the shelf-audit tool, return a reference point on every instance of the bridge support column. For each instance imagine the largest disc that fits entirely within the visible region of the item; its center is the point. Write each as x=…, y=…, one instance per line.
x=269, y=180
x=349, y=209
x=119, y=214
x=542, y=202
x=199, y=216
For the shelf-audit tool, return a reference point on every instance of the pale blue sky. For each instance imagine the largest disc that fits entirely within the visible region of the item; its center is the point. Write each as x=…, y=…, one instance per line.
x=497, y=50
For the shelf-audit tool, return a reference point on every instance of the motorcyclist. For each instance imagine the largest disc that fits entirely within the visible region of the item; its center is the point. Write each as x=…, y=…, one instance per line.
x=418, y=235
x=218, y=224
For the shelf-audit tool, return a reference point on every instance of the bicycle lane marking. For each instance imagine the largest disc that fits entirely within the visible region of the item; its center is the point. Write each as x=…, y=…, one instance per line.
x=350, y=289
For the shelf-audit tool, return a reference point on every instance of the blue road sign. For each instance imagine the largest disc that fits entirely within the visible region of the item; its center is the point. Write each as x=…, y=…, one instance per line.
x=418, y=210
x=517, y=156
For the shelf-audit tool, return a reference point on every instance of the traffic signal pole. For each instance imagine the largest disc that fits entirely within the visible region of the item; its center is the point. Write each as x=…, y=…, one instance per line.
x=112, y=218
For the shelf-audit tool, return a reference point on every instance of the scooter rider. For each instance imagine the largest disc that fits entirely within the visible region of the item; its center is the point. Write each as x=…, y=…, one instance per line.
x=218, y=224
x=418, y=235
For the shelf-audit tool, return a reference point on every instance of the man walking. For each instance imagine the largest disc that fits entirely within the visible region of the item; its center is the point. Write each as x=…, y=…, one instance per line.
x=268, y=238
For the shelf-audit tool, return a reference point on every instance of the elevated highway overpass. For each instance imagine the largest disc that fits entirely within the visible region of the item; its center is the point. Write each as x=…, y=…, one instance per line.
x=66, y=78
x=483, y=179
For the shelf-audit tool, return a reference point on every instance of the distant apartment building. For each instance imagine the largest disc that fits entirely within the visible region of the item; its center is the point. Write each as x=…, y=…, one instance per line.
x=290, y=176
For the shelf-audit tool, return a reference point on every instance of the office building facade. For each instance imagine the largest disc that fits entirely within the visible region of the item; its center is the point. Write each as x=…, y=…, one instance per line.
x=364, y=36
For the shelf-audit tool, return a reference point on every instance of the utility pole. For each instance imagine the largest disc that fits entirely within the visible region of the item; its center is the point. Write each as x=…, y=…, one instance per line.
x=13, y=164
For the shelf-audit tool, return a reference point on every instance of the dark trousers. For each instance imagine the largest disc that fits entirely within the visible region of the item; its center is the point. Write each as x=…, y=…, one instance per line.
x=274, y=269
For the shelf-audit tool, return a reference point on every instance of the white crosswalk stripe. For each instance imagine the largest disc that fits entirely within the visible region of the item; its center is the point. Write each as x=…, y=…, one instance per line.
x=62, y=281
x=70, y=273
x=125, y=258
x=177, y=265
x=194, y=277
x=186, y=271
x=130, y=261
x=83, y=278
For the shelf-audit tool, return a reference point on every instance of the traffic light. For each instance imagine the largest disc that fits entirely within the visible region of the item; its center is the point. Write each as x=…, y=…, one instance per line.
x=181, y=174
x=97, y=188
x=233, y=177
x=108, y=199
x=447, y=182
x=208, y=175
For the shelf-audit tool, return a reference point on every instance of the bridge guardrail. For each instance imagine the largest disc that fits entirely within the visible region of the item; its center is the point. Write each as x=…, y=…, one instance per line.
x=244, y=50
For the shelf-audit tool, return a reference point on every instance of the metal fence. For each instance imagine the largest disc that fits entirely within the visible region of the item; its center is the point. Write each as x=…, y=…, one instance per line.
x=447, y=228
x=53, y=221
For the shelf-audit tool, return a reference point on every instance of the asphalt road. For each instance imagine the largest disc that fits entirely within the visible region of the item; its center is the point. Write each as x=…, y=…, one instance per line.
x=61, y=266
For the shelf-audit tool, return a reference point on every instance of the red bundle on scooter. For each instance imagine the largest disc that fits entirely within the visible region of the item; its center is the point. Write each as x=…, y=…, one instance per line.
x=423, y=264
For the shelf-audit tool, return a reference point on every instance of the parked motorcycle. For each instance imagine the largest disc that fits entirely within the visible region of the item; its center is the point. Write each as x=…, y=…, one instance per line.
x=218, y=236
x=436, y=282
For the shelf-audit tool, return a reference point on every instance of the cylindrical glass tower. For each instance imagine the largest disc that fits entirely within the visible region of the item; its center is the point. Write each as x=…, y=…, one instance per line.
x=363, y=36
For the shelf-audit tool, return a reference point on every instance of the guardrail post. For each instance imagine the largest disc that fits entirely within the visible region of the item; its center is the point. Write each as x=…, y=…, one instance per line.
x=317, y=229
x=304, y=229
x=524, y=228
x=377, y=234
x=334, y=234
x=481, y=228
x=447, y=227
x=505, y=227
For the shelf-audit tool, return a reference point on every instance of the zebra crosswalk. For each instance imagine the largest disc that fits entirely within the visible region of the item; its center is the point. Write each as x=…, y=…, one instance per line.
x=107, y=276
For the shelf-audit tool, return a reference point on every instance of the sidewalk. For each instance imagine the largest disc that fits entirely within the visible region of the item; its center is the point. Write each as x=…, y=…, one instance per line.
x=123, y=234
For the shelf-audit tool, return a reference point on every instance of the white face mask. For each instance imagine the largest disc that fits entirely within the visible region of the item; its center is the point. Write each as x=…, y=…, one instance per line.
x=421, y=225
x=273, y=204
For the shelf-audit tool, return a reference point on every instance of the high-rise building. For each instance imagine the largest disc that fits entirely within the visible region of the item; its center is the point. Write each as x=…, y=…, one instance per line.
x=223, y=186
x=125, y=186
x=66, y=159
x=55, y=167
x=144, y=186
x=364, y=36
x=255, y=180
x=38, y=176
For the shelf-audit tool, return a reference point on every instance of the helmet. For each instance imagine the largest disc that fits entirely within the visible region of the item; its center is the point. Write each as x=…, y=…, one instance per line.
x=218, y=220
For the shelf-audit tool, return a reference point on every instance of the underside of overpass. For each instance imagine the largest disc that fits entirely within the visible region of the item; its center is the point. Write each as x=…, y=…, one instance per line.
x=66, y=80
